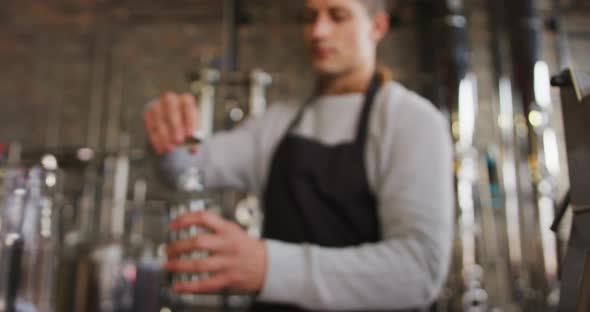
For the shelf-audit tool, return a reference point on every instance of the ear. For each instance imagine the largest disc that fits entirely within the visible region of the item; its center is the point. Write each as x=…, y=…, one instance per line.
x=380, y=26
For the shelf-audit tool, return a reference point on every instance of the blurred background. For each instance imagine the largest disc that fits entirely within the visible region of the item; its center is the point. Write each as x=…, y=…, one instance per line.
x=76, y=75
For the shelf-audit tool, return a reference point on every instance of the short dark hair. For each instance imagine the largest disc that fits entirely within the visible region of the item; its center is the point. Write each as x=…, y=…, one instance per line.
x=374, y=6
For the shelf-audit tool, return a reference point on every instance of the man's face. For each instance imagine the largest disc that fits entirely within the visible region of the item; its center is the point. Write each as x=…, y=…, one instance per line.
x=339, y=35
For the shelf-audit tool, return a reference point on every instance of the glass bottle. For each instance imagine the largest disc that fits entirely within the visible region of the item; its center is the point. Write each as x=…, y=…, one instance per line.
x=40, y=244
x=11, y=241
x=190, y=197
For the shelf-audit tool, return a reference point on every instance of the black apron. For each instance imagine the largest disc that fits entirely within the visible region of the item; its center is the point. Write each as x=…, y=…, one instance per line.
x=320, y=194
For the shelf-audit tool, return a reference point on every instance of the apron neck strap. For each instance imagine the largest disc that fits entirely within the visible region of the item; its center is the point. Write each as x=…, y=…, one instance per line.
x=366, y=109
x=363, y=122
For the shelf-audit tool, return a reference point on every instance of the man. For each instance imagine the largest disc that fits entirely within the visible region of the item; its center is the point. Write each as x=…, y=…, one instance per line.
x=356, y=183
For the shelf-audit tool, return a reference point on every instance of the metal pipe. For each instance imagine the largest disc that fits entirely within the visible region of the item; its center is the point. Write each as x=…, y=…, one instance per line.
x=259, y=82
x=230, y=26
x=14, y=154
x=97, y=81
x=540, y=160
x=427, y=49
x=113, y=130
x=204, y=88
x=457, y=94
x=561, y=41
x=510, y=226
x=55, y=107
x=575, y=97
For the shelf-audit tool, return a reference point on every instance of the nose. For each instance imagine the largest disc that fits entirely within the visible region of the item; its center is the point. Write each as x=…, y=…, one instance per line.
x=321, y=27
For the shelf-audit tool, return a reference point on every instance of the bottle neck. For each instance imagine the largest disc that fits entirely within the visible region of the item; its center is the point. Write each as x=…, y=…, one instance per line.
x=192, y=180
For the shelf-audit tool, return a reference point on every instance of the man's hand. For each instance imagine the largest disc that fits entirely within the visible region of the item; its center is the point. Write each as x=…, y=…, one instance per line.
x=237, y=261
x=170, y=120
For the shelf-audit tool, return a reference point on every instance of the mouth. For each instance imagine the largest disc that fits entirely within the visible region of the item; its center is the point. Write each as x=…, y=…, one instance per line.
x=322, y=53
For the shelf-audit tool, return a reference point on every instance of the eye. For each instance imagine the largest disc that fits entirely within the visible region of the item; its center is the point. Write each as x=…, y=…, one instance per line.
x=339, y=15
x=309, y=16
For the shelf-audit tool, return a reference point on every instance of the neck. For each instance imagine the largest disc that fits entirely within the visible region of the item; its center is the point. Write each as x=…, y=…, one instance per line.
x=353, y=81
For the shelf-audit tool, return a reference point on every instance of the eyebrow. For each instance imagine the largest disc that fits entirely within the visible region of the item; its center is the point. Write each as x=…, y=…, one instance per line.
x=331, y=8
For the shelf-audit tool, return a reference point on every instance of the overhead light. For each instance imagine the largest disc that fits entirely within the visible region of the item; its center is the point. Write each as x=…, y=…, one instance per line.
x=85, y=154
x=49, y=162
x=536, y=118
x=551, y=150
x=542, y=85
x=467, y=109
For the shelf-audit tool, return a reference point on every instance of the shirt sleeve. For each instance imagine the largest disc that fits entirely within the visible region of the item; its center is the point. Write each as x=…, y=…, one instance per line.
x=228, y=159
x=415, y=202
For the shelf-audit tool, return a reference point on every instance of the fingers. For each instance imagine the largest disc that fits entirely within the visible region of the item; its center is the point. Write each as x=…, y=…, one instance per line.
x=151, y=130
x=172, y=117
x=213, y=284
x=205, y=265
x=235, y=261
x=205, y=219
x=202, y=242
x=190, y=114
x=156, y=128
x=169, y=120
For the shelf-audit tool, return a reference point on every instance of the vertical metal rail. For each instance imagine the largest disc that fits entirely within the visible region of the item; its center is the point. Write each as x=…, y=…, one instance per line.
x=98, y=74
x=509, y=203
x=457, y=95
x=259, y=82
x=538, y=160
x=54, y=106
x=575, y=278
x=427, y=50
x=230, y=35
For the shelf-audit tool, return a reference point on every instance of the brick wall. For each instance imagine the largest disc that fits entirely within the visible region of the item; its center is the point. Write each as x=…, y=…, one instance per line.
x=78, y=67
x=79, y=72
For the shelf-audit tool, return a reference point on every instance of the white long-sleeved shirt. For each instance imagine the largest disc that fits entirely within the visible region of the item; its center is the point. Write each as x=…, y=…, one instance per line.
x=409, y=168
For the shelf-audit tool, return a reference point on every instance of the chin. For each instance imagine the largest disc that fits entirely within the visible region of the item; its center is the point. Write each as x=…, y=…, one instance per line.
x=325, y=69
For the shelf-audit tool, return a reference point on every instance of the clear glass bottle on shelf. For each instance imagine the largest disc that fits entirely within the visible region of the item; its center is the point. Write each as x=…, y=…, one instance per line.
x=11, y=241
x=140, y=275
x=38, y=267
